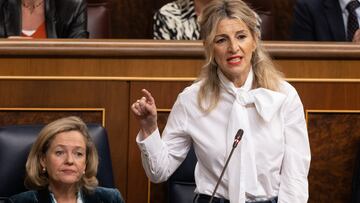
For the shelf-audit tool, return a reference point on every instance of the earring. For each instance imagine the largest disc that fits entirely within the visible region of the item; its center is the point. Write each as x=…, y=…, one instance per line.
x=43, y=170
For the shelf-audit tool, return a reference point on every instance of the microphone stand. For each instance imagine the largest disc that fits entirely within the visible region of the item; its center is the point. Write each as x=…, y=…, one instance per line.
x=238, y=137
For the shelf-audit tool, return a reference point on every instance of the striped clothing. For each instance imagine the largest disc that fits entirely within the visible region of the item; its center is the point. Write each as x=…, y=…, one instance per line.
x=176, y=21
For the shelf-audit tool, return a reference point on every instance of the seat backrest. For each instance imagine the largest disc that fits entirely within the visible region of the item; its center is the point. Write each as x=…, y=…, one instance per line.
x=264, y=8
x=99, y=23
x=15, y=144
x=181, y=184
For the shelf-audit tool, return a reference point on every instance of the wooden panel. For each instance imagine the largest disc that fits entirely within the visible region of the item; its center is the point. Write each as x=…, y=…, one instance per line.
x=153, y=69
x=17, y=116
x=335, y=139
x=164, y=49
x=320, y=68
x=329, y=95
x=154, y=60
x=101, y=67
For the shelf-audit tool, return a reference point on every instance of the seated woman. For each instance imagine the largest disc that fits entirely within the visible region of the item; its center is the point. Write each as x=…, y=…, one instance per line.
x=43, y=18
x=62, y=167
x=177, y=20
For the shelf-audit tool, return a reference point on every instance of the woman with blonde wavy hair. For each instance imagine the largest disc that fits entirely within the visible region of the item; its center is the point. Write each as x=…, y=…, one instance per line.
x=265, y=74
x=239, y=92
x=62, y=166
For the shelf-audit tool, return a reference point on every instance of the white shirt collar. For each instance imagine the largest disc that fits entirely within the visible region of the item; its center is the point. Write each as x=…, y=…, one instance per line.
x=343, y=4
x=78, y=200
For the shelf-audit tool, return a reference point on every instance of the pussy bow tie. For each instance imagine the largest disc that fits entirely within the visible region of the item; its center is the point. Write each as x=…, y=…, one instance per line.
x=267, y=102
x=242, y=169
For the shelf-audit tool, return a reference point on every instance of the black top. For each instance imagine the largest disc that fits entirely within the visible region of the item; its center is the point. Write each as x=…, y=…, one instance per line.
x=99, y=195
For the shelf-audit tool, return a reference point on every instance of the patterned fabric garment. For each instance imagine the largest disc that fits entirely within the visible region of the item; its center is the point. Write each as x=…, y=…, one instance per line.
x=176, y=21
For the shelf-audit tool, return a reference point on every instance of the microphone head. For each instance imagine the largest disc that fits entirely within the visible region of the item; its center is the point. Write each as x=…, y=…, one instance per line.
x=238, y=137
x=239, y=134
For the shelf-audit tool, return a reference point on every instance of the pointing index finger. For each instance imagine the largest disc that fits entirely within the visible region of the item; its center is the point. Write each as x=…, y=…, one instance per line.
x=148, y=96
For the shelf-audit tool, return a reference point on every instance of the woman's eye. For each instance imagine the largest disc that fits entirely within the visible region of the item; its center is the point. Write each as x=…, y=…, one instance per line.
x=219, y=41
x=79, y=154
x=58, y=153
x=241, y=36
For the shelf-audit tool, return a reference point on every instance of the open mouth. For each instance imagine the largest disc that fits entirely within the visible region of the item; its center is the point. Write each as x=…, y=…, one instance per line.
x=234, y=60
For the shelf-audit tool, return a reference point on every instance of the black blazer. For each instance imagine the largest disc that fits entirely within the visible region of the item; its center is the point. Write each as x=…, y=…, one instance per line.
x=100, y=195
x=64, y=18
x=318, y=20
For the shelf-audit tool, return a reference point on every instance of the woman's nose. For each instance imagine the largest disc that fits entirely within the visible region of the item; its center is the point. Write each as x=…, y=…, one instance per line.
x=69, y=158
x=233, y=46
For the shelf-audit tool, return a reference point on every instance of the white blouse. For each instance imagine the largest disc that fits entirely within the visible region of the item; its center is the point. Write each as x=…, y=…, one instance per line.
x=272, y=159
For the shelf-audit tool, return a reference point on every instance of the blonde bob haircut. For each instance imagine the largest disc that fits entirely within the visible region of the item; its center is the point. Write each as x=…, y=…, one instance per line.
x=265, y=73
x=36, y=179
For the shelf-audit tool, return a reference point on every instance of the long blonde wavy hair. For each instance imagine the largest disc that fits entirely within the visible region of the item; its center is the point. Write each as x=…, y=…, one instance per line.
x=265, y=73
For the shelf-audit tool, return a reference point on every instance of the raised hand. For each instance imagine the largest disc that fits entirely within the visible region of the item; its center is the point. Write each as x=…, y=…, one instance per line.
x=145, y=111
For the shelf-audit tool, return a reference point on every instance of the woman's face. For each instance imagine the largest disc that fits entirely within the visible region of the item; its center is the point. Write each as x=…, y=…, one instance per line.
x=65, y=160
x=233, y=48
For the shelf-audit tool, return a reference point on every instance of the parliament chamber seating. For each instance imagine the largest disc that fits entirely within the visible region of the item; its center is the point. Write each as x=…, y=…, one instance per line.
x=181, y=184
x=15, y=144
x=99, y=23
x=264, y=8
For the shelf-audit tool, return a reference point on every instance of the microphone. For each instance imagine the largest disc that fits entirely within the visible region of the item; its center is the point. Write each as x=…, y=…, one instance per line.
x=238, y=137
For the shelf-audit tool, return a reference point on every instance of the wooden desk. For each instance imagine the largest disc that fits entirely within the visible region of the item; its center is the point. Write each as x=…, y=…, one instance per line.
x=98, y=80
